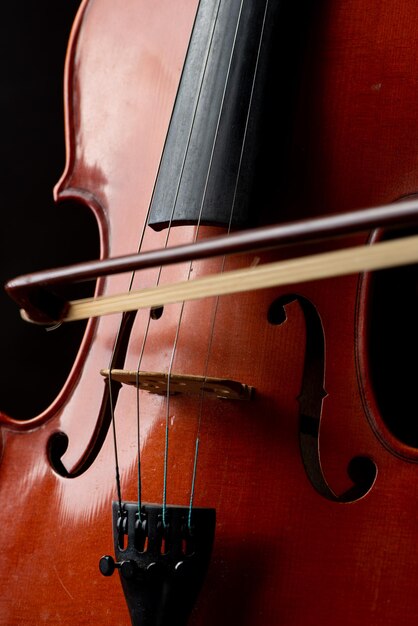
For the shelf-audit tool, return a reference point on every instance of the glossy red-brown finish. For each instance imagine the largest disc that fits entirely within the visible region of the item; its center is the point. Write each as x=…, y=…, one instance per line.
x=283, y=553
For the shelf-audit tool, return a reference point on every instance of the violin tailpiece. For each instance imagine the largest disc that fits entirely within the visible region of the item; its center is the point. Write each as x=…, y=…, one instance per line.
x=162, y=565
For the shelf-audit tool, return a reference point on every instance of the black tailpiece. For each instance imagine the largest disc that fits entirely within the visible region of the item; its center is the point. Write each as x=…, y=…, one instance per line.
x=161, y=566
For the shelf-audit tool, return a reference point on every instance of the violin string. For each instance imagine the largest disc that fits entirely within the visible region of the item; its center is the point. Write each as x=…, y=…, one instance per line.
x=142, y=350
x=167, y=415
x=174, y=348
x=215, y=312
x=110, y=391
x=138, y=412
x=138, y=446
x=183, y=304
x=181, y=315
x=112, y=358
x=137, y=379
x=115, y=446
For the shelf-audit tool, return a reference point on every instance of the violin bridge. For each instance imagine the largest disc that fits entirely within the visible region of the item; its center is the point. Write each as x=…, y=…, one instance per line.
x=162, y=384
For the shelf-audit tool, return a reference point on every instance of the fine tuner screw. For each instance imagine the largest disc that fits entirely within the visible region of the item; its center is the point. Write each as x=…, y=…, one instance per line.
x=129, y=568
x=107, y=566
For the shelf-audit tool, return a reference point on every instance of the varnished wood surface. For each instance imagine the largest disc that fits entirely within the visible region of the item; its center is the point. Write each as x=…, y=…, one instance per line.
x=283, y=553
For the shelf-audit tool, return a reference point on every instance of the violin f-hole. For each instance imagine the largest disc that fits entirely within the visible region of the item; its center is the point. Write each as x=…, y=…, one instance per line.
x=361, y=470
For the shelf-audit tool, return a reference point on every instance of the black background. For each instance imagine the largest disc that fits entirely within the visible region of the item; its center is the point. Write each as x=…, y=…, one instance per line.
x=35, y=232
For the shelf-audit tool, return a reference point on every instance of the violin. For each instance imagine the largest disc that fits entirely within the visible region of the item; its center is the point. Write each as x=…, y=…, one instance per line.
x=231, y=449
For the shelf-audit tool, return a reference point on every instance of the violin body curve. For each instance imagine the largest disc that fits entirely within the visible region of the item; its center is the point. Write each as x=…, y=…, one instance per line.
x=294, y=543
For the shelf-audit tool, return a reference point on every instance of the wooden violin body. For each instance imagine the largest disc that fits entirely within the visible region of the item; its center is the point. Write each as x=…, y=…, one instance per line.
x=308, y=531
